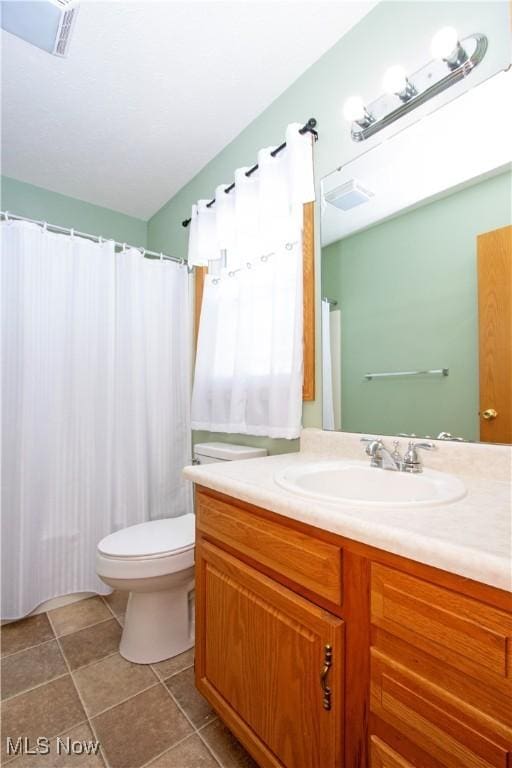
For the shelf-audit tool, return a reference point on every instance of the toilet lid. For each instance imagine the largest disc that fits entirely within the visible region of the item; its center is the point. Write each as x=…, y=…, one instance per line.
x=156, y=537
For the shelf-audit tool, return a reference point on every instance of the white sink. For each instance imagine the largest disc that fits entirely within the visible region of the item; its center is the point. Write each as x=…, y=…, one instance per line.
x=355, y=482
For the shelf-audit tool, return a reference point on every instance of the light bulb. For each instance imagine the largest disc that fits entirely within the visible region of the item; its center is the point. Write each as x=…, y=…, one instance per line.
x=394, y=80
x=444, y=43
x=354, y=110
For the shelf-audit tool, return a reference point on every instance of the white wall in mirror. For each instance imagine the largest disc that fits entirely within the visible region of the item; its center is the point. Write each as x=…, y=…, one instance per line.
x=429, y=158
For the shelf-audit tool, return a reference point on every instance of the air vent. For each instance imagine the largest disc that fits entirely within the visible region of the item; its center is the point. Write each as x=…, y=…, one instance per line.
x=64, y=31
x=348, y=195
x=47, y=24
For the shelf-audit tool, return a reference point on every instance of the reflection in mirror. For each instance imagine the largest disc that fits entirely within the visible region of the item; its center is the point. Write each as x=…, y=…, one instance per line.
x=416, y=265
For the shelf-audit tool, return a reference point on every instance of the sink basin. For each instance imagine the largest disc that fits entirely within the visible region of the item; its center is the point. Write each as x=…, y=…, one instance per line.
x=355, y=482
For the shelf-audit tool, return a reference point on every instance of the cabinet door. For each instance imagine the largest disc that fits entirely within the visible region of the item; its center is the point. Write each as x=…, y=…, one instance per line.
x=270, y=662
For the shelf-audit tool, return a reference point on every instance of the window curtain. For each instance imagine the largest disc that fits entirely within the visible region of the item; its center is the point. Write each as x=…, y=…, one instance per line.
x=249, y=360
x=95, y=405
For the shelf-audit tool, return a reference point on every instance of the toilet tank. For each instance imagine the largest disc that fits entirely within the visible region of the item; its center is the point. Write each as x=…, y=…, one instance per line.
x=208, y=453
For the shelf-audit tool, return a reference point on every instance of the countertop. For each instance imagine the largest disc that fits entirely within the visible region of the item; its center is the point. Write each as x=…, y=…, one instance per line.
x=471, y=537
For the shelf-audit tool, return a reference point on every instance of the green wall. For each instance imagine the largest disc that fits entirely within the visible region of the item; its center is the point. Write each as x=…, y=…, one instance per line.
x=354, y=65
x=41, y=204
x=407, y=291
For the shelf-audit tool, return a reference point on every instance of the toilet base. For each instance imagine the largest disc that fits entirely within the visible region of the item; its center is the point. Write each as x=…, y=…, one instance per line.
x=159, y=624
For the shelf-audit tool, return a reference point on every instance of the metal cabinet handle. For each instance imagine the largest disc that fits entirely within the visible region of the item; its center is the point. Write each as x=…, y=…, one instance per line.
x=489, y=414
x=326, y=691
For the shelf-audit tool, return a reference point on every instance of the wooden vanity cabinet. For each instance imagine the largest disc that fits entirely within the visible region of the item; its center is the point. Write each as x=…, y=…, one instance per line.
x=320, y=652
x=262, y=651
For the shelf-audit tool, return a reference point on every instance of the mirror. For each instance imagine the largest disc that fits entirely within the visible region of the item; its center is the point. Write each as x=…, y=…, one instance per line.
x=416, y=268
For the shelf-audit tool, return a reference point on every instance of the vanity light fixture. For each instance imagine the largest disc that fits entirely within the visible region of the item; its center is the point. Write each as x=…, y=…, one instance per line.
x=453, y=60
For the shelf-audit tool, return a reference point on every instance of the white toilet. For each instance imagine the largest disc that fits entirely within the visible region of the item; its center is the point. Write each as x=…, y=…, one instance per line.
x=154, y=561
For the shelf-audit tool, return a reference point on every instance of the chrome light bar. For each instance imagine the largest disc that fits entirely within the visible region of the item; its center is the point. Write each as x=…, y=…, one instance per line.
x=422, y=85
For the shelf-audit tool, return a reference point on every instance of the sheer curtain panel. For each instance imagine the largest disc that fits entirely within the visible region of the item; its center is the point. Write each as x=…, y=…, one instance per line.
x=249, y=360
x=95, y=426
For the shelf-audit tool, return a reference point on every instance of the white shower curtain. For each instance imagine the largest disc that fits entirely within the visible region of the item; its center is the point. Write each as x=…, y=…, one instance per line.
x=95, y=404
x=327, y=379
x=249, y=367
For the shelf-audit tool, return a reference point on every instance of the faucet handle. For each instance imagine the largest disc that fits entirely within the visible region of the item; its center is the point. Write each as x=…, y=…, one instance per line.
x=369, y=441
x=412, y=461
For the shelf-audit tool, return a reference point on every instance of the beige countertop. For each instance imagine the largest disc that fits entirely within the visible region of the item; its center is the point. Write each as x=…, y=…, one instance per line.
x=471, y=537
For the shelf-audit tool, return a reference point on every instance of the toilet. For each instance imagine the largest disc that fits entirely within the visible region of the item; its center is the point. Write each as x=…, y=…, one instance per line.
x=154, y=562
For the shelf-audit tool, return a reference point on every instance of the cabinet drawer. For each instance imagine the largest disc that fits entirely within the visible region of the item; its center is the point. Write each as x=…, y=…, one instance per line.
x=435, y=722
x=382, y=756
x=302, y=559
x=471, y=636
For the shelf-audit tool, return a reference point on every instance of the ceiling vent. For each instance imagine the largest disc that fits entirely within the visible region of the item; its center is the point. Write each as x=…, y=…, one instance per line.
x=348, y=195
x=47, y=24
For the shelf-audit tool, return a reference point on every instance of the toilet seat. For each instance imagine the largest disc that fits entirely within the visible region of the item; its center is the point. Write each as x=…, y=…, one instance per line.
x=153, y=548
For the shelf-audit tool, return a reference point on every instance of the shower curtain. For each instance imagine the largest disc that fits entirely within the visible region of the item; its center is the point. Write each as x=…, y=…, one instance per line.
x=95, y=405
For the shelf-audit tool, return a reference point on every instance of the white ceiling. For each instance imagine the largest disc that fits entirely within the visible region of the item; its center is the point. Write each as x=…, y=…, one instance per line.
x=151, y=91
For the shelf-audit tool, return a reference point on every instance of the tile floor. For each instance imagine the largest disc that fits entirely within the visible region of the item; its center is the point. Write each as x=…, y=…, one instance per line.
x=62, y=677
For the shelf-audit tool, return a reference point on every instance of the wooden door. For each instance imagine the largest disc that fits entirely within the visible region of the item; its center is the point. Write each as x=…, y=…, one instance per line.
x=260, y=658
x=495, y=331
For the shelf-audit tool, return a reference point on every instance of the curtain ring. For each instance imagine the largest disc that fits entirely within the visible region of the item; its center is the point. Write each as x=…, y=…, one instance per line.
x=71, y=232
x=289, y=246
x=6, y=214
x=100, y=240
x=161, y=256
x=215, y=280
x=182, y=262
x=264, y=257
x=45, y=226
x=124, y=248
x=231, y=274
x=249, y=265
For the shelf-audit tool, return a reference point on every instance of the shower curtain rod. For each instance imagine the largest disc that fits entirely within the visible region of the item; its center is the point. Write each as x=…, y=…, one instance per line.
x=308, y=128
x=96, y=238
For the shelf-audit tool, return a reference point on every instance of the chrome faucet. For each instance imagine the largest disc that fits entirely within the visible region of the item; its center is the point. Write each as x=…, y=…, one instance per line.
x=380, y=456
x=383, y=459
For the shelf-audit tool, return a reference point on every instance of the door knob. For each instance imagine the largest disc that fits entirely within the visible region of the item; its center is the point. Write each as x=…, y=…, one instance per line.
x=489, y=414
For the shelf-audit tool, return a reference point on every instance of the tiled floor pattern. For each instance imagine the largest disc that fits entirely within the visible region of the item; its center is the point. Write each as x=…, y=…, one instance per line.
x=62, y=676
